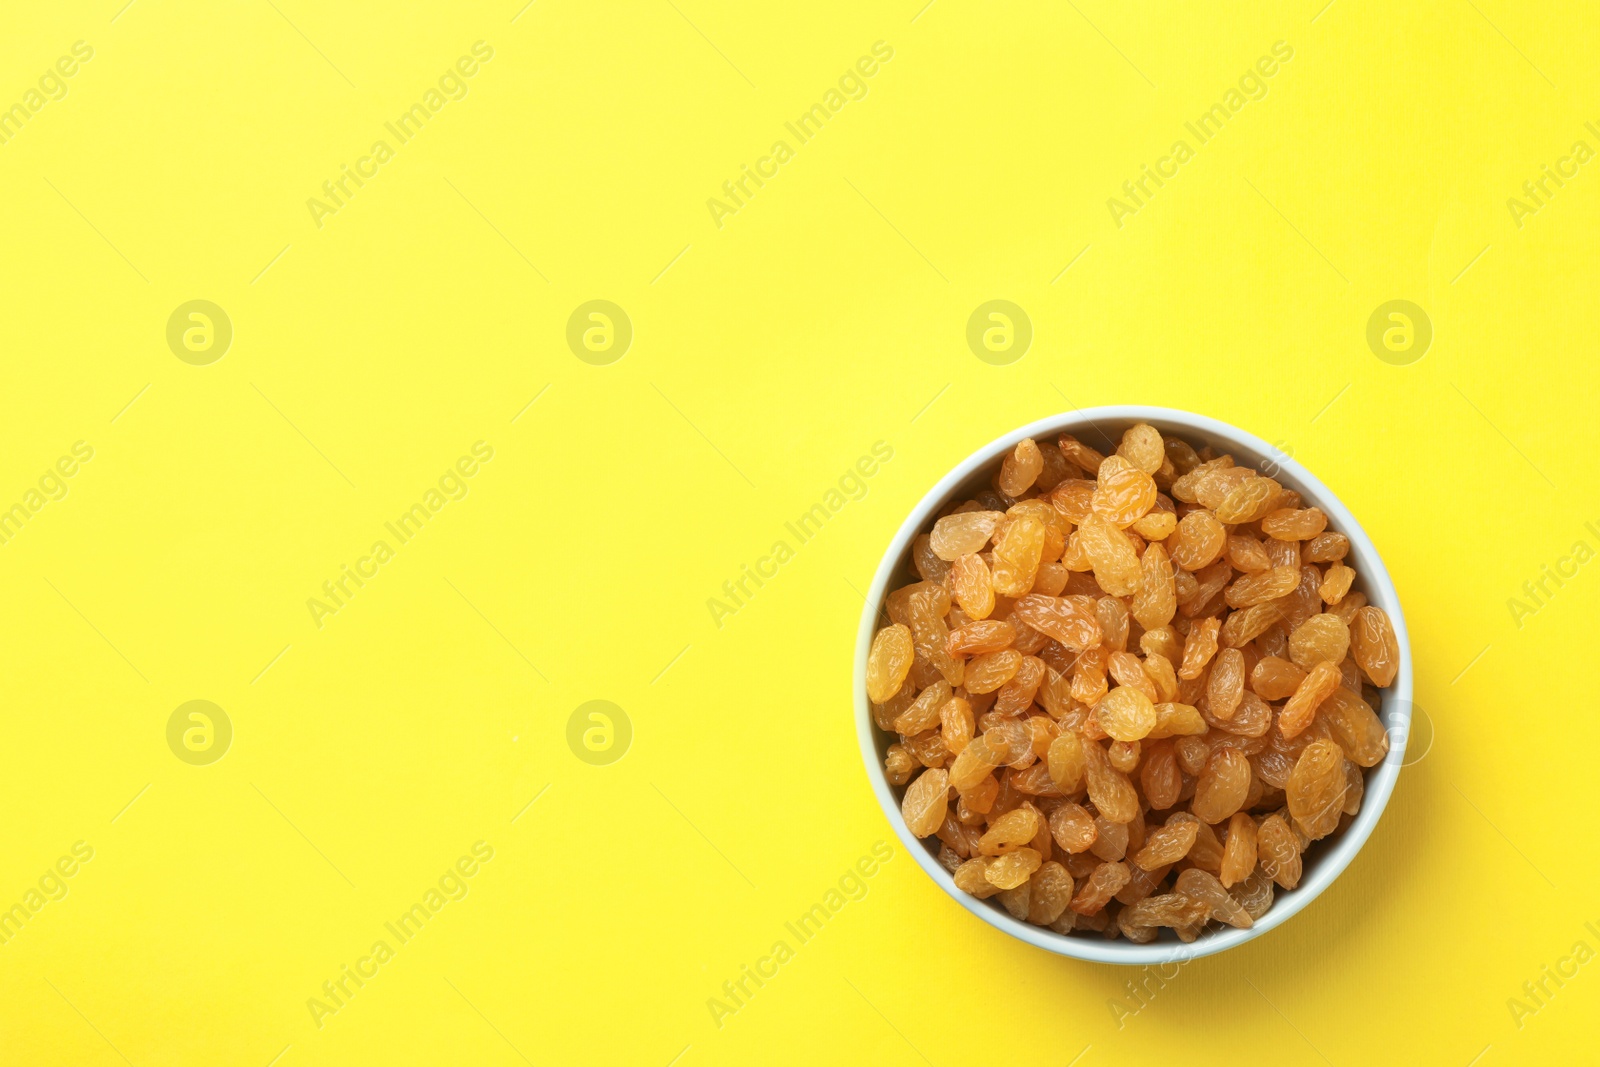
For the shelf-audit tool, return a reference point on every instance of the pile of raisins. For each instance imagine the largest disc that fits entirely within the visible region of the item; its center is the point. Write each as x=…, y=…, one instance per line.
x=1130, y=690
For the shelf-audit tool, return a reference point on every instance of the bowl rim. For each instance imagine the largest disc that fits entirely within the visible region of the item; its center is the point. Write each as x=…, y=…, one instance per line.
x=1394, y=711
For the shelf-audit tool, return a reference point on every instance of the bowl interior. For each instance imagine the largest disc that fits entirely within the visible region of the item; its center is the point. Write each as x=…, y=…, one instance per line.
x=1102, y=429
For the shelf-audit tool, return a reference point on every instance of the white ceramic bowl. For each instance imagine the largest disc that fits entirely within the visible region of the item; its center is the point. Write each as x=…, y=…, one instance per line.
x=1102, y=428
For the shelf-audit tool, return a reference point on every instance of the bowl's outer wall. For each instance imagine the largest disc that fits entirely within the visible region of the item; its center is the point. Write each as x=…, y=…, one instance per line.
x=1101, y=428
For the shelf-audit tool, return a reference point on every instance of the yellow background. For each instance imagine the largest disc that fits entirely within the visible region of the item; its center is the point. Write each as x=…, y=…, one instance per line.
x=769, y=354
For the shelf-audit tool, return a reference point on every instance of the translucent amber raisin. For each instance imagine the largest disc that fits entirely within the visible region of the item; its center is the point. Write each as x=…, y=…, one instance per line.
x=1222, y=786
x=1072, y=827
x=1321, y=638
x=1142, y=447
x=1123, y=492
x=971, y=586
x=888, y=663
x=1315, y=792
x=984, y=635
x=1012, y=869
x=1294, y=524
x=1239, y=851
x=957, y=535
x=925, y=802
x=1374, y=645
x=1099, y=887
x=1021, y=468
x=1126, y=713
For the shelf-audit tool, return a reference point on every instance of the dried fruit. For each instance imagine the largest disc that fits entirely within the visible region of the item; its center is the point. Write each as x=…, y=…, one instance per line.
x=1168, y=909
x=1110, y=840
x=1373, y=644
x=1079, y=454
x=1315, y=792
x=1239, y=851
x=1355, y=727
x=1116, y=565
x=1257, y=588
x=1198, y=540
x=1126, y=714
x=888, y=663
x=925, y=802
x=1204, y=888
x=1065, y=762
x=1316, y=687
x=1222, y=785
x=1248, y=555
x=971, y=586
x=1178, y=720
x=1327, y=547
x=1012, y=869
x=1070, y=620
x=991, y=670
x=985, y=635
x=1291, y=524
x=1249, y=501
x=1198, y=648
x=1156, y=600
x=956, y=724
x=973, y=763
x=1011, y=831
x=1017, y=553
x=1073, y=828
x=1113, y=795
x=958, y=534
x=1226, y=683
x=1321, y=638
x=899, y=765
x=926, y=561
x=970, y=877
x=1242, y=627
x=1050, y=891
x=1278, y=851
x=1160, y=777
x=1097, y=641
x=1123, y=492
x=1167, y=844
x=1100, y=887
x=1021, y=468
x=1254, y=893
x=1336, y=583
x=1275, y=678
x=1142, y=447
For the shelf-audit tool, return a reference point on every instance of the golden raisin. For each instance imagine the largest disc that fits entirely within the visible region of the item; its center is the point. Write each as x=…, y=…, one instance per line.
x=888, y=663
